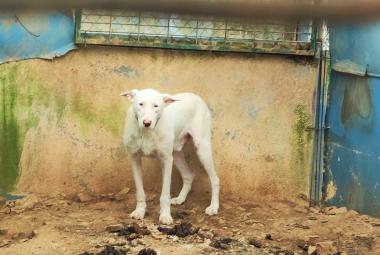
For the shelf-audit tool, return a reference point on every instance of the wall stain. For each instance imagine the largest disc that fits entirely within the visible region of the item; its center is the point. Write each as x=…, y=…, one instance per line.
x=357, y=100
x=301, y=137
x=10, y=151
x=84, y=109
x=301, y=141
x=127, y=71
x=24, y=98
x=331, y=190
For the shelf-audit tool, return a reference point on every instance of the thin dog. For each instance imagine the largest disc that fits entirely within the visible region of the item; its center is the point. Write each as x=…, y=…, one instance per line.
x=159, y=125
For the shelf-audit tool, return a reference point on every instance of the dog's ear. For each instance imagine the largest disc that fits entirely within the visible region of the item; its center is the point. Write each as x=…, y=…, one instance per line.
x=130, y=94
x=168, y=99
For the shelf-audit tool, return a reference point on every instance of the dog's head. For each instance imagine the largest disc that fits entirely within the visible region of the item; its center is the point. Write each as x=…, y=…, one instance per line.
x=148, y=105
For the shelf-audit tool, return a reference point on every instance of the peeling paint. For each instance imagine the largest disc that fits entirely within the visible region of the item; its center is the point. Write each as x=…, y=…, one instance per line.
x=331, y=190
x=357, y=152
x=29, y=35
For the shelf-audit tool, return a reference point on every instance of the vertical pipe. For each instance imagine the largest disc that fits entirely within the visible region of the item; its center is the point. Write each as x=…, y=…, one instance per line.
x=316, y=180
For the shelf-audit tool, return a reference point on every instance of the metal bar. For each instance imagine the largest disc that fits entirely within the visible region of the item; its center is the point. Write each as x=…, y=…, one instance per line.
x=78, y=18
x=196, y=32
x=207, y=47
x=168, y=30
x=138, y=28
x=110, y=27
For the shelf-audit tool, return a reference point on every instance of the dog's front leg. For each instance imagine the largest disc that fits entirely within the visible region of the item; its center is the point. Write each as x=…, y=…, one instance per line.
x=139, y=212
x=167, y=166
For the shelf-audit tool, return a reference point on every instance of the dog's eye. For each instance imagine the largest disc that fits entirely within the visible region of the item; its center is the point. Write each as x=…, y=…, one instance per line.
x=156, y=105
x=141, y=104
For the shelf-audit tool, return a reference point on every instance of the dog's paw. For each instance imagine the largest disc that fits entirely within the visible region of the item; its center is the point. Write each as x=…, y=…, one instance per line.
x=138, y=214
x=166, y=219
x=212, y=210
x=177, y=201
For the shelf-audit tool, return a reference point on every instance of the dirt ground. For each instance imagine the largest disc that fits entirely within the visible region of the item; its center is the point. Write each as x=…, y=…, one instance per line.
x=87, y=225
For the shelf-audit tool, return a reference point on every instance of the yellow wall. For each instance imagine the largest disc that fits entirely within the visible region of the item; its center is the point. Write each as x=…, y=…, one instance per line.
x=72, y=117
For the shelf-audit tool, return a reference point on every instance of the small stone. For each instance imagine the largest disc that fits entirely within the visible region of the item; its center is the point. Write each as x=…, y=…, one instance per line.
x=25, y=235
x=312, y=238
x=268, y=237
x=314, y=210
x=312, y=250
x=157, y=236
x=207, y=250
x=327, y=248
x=207, y=241
x=133, y=236
x=302, y=244
x=134, y=243
x=256, y=243
x=28, y=202
x=205, y=234
x=83, y=197
x=114, y=228
x=121, y=195
x=340, y=210
x=300, y=209
x=300, y=225
x=64, y=203
x=221, y=243
x=352, y=213
x=248, y=222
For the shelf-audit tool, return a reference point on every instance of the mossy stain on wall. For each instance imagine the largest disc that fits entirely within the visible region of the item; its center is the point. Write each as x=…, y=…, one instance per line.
x=25, y=96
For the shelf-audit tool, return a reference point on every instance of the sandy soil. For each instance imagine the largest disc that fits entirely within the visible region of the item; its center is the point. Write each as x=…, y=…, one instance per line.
x=40, y=226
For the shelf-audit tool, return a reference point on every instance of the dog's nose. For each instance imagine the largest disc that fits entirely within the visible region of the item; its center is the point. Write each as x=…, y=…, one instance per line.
x=147, y=123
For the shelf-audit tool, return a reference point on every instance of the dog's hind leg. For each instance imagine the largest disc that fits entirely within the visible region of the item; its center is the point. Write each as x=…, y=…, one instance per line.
x=186, y=174
x=205, y=156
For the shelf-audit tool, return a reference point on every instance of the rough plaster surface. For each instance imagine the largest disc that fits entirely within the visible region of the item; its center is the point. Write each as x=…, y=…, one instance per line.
x=260, y=149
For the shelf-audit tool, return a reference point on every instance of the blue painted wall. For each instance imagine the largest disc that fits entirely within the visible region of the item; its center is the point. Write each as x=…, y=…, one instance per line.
x=352, y=176
x=35, y=35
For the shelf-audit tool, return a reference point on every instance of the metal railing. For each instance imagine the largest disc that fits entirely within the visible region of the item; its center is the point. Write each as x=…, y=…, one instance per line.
x=189, y=32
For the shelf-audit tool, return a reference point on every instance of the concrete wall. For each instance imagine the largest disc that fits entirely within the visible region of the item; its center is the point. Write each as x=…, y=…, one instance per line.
x=67, y=119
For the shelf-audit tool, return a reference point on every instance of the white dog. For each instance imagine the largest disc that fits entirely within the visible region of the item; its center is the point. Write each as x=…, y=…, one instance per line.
x=159, y=125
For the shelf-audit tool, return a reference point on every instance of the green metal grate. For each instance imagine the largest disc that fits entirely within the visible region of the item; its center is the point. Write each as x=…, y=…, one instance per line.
x=143, y=29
